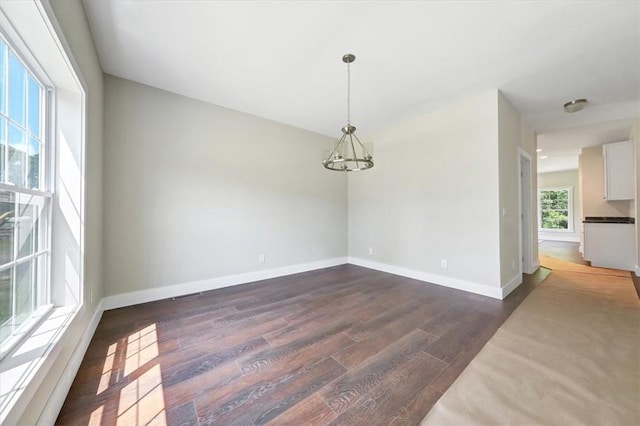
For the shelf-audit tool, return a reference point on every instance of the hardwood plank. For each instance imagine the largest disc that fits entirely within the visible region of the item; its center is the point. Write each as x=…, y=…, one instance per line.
x=359, y=352
x=318, y=337
x=329, y=305
x=307, y=327
x=385, y=334
x=383, y=303
x=450, y=344
x=213, y=380
x=266, y=400
x=204, y=361
x=183, y=415
x=386, y=317
x=248, y=327
x=278, y=367
x=347, y=390
x=393, y=394
x=447, y=319
x=311, y=411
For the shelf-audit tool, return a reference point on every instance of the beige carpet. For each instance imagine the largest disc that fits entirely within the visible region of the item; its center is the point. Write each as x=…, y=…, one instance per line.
x=568, y=355
x=560, y=265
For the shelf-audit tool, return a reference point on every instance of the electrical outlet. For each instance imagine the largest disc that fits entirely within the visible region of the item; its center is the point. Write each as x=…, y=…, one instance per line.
x=443, y=263
x=513, y=265
x=91, y=296
x=261, y=258
x=370, y=251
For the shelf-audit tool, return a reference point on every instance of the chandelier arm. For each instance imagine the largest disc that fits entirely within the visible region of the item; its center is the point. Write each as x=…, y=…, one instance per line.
x=337, y=147
x=353, y=150
x=364, y=150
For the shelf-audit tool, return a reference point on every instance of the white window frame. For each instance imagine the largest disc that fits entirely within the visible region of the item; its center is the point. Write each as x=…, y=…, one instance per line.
x=43, y=304
x=570, y=212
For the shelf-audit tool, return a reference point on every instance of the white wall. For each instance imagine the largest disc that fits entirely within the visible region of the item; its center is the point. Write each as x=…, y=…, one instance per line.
x=509, y=139
x=433, y=195
x=561, y=179
x=194, y=191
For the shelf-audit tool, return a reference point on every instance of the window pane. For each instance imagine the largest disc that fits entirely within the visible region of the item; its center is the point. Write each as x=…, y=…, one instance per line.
x=6, y=276
x=560, y=199
x=34, y=163
x=17, y=155
x=3, y=76
x=29, y=212
x=3, y=148
x=35, y=92
x=554, y=209
x=7, y=230
x=40, y=273
x=17, y=90
x=24, y=292
x=24, y=224
x=555, y=219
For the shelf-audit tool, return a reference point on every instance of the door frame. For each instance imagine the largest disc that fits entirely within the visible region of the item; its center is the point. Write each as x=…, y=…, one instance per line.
x=525, y=217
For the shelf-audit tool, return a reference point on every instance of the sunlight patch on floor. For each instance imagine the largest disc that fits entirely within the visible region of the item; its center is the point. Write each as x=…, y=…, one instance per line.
x=142, y=401
x=142, y=347
x=107, y=369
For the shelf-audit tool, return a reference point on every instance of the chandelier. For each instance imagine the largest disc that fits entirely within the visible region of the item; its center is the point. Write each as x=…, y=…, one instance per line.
x=349, y=154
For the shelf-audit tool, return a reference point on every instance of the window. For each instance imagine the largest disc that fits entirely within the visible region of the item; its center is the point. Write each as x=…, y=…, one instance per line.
x=24, y=197
x=555, y=209
x=43, y=114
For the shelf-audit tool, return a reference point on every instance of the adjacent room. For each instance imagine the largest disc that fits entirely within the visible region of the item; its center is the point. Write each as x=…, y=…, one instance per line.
x=309, y=212
x=589, y=170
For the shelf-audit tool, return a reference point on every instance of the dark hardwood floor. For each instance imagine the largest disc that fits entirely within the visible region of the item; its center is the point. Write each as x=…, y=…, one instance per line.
x=563, y=250
x=343, y=345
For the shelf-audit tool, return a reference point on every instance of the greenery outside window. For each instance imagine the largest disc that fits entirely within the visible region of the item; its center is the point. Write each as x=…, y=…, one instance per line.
x=555, y=209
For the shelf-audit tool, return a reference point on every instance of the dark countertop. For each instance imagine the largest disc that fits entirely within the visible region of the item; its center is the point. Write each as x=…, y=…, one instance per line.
x=608, y=219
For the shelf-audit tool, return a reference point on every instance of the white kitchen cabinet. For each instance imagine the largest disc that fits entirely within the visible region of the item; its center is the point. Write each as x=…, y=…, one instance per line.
x=618, y=171
x=610, y=245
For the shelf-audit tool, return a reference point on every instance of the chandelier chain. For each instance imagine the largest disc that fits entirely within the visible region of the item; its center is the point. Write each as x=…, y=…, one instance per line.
x=348, y=94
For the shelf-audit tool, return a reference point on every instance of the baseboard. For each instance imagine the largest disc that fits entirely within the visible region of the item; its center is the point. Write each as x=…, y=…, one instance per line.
x=559, y=238
x=494, y=292
x=159, y=293
x=511, y=285
x=54, y=404
x=535, y=266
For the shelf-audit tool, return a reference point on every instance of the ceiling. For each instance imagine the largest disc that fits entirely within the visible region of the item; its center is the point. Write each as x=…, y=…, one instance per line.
x=282, y=60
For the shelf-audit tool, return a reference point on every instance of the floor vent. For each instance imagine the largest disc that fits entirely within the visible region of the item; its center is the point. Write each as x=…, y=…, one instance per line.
x=186, y=296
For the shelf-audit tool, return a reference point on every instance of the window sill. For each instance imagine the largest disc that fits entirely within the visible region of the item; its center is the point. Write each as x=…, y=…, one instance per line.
x=23, y=370
x=14, y=341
